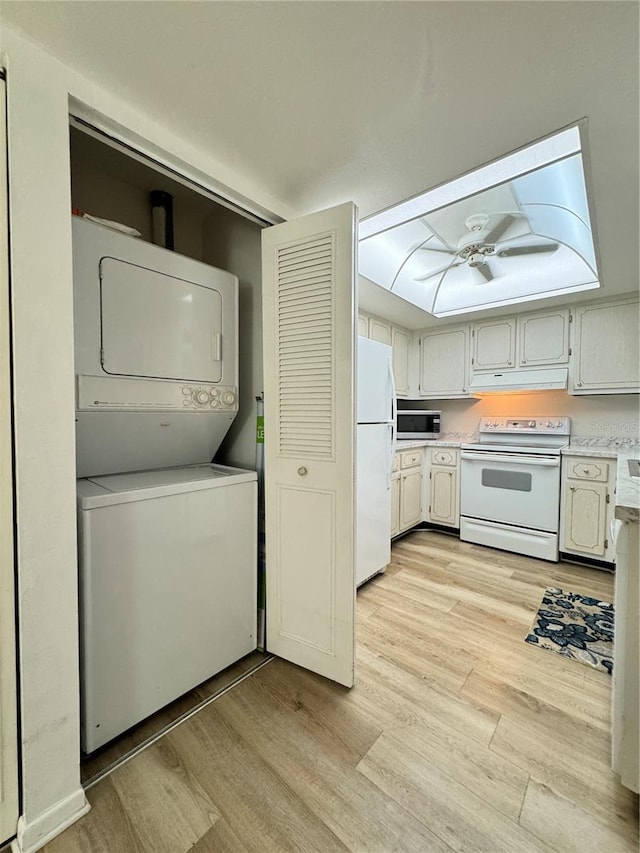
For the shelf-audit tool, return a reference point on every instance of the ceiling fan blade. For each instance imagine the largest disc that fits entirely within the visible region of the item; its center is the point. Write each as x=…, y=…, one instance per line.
x=498, y=229
x=485, y=271
x=455, y=262
x=527, y=250
x=421, y=245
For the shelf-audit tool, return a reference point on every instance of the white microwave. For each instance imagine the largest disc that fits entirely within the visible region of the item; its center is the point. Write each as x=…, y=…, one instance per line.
x=417, y=423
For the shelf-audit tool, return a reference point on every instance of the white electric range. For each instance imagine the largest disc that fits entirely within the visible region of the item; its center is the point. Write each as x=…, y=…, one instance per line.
x=510, y=485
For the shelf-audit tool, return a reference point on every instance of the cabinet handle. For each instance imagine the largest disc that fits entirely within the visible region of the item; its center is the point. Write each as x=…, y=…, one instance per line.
x=585, y=470
x=572, y=488
x=302, y=471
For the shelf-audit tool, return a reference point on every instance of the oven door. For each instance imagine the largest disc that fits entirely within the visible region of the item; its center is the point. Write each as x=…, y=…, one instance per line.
x=511, y=488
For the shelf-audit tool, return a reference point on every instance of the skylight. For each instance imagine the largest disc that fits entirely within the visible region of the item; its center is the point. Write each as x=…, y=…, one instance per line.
x=514, y=230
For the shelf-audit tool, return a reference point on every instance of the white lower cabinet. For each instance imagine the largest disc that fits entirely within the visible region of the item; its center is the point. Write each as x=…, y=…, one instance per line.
x=585, y=506
x=395, y=504
x=410, y=498
x=444, y=480
x=406, y=490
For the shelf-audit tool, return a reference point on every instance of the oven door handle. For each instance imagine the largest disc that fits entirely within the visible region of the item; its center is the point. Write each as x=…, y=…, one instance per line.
x=512, y=459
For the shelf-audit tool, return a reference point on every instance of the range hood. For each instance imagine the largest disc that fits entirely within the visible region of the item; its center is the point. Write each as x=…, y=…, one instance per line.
x=519, y=380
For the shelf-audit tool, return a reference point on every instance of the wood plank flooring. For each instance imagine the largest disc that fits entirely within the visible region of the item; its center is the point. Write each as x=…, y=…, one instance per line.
x=458, y=735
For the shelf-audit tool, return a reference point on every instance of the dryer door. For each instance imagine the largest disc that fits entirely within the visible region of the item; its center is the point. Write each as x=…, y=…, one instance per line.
x=158, y=326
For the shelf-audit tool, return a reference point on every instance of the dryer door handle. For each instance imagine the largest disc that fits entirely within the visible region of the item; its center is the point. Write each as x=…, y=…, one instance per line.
x=216, y=346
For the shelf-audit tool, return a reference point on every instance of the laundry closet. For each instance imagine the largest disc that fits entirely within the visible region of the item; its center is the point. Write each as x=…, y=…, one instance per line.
x=168, y=362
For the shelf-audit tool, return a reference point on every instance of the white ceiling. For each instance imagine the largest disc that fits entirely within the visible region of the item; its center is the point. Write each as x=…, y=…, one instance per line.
x=320, y=102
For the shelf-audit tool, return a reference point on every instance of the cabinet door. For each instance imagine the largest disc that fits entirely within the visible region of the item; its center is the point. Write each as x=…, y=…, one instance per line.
x=8, y=702
x=363, y=325
x=543, y=339
x=443, y=508
x=444, y=358
x=494, y=344
x=309, y=417
x=379, y=331
x=606, y=351
x=395, y=505
x=585, y=518
x=400, y=344
x=410, y=498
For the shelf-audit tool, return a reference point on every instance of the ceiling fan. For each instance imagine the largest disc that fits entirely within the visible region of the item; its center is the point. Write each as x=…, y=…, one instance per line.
x=480, y=242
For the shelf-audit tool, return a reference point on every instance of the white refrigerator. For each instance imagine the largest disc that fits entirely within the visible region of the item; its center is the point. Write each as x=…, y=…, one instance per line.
x=375, y=443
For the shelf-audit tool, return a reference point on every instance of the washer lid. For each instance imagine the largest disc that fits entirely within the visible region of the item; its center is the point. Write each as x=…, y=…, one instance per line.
x=112, y=489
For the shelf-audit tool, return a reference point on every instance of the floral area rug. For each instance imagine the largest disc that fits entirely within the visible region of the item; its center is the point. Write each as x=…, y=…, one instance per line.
x=575, y=626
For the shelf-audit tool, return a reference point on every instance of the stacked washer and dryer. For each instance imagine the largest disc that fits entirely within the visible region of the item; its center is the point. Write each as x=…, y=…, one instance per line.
x=167, y=540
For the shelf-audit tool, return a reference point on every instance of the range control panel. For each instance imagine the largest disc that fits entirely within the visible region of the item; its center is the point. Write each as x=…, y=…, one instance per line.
x=538, y=425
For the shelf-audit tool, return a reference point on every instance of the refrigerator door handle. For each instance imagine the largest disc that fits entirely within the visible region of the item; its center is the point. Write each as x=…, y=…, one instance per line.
x=394, y=412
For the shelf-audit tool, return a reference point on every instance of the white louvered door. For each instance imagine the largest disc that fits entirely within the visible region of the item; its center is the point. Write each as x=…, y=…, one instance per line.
x=308, y=268
x=8, y=709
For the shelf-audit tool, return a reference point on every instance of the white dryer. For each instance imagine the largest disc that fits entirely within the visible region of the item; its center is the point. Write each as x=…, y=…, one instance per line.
x=156, y=354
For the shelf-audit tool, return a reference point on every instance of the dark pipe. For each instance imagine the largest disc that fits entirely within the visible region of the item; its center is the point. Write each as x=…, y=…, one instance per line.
x=162, y=218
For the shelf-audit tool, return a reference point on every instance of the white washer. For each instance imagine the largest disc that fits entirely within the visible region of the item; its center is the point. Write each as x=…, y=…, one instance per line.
x=167, y=587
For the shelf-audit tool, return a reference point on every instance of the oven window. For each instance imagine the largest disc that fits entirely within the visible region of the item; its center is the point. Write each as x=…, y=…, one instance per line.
x=517, y=481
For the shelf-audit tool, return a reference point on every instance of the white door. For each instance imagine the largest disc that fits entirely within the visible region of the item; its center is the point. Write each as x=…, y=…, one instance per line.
x=8, y=708
x=309, y=377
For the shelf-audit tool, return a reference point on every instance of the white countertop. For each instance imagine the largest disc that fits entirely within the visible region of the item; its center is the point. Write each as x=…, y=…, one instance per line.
x=585, y=450
x=411, y=443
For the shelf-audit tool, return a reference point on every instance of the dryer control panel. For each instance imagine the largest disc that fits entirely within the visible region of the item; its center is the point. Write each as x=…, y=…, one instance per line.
x=116, y=393
x=209, y=397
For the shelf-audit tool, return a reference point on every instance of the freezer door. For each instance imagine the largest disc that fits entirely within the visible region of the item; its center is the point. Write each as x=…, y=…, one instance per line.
x=375, y=382
x=374, y=500
x=157, y=325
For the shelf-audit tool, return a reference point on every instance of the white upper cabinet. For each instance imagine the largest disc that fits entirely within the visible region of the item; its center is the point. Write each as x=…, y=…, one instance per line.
x=379, y=331
x=494, y=344
x=400, y=343
x=399, y=339
x=605, y=348
x=543, y=338
x=444, y=361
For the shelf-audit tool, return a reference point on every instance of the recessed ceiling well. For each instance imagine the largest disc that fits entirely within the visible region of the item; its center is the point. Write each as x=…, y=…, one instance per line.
x=512, y=231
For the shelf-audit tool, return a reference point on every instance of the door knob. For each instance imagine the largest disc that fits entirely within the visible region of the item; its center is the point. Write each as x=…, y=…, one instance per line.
x=302, y=471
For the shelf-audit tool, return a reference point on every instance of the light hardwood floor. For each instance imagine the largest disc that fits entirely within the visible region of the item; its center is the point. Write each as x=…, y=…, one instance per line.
x=458, y=735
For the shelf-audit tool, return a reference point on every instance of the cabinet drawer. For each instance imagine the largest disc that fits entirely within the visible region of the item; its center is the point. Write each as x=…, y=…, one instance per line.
x=410, y=458
x=444, y=457
x=588, y=470
x=396, y=461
